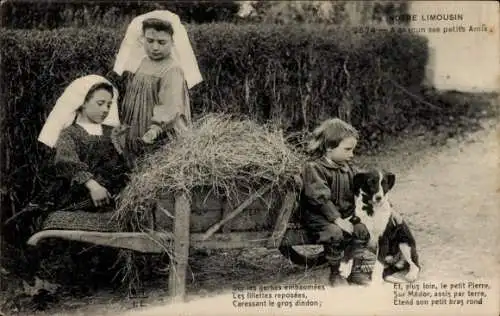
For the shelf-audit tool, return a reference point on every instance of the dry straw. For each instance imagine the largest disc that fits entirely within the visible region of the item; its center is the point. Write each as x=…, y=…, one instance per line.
x=227, y=154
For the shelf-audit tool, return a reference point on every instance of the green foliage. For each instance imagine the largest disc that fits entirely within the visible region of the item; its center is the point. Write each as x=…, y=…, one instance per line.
x=331, y=12
x=298, y=75
x=29, y=14
x=22, y=14
x=293, y=76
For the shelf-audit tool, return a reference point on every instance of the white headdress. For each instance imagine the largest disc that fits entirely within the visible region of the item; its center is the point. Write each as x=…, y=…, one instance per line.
x=64, y=112
x=132, y=50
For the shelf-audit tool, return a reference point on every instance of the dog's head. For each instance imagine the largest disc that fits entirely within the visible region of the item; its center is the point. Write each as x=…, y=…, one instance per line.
x=373, y=184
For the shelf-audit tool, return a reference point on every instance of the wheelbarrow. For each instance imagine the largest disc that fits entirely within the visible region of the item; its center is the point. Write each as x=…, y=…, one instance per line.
x=201, y=219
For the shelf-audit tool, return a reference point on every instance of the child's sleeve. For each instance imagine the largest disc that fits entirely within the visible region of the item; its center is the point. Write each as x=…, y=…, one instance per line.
x=172, y=98
x=67, y=161
x=318, y=193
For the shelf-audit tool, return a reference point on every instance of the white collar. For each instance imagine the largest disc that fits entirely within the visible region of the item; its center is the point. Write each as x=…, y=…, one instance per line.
x=91, y=128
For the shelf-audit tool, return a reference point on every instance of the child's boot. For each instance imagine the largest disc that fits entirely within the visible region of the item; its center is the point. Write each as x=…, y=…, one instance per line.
x=334, y=256
x=362, y=266
x=336, y=279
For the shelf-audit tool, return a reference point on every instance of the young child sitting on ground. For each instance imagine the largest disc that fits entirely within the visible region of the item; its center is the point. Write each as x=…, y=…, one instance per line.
x=328, y=200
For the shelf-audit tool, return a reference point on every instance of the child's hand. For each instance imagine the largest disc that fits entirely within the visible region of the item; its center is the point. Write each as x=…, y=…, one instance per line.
x=149, y=137
x=100, y=196
x=151, y=134
x=344, y=225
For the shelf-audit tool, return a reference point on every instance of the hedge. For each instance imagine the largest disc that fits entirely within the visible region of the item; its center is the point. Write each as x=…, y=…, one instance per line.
x=284, y=72
x=336, y=12
x=291, y=75
x=29, y=14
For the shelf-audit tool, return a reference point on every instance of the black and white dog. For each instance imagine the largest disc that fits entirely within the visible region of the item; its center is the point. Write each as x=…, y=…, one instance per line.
x=390, y=237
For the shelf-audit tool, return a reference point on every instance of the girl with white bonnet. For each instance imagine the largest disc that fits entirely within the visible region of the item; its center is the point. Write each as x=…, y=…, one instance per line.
x=157, y=67
x=87, y=163
x=87, y=169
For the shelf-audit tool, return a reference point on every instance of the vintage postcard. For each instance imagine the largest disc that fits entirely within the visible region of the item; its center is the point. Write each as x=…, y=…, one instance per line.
x=249, y=158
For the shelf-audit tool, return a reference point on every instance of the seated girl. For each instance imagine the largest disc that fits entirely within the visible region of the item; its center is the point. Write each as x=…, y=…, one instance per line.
x=87, y=170
x=88, y=164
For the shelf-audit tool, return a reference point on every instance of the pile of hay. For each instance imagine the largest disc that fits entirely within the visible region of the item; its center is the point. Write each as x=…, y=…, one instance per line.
x=221, y=152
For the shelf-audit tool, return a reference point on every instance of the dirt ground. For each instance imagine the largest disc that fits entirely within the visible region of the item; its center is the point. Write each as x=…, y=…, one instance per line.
x=448, y=193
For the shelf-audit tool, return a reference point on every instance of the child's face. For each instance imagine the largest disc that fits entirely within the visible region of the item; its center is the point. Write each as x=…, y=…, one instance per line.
x=344, y=151
x=157, y=44
x=96, y=108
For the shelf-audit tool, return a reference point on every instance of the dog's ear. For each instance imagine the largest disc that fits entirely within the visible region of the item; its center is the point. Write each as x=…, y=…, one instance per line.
x=391, y=179
x=357, y=182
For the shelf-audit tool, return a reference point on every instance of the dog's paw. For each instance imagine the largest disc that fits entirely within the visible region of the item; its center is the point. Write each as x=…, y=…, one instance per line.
x=377, y=282
x=376, y=279
x=412, y=274
x=345, y=268
x=395, y=279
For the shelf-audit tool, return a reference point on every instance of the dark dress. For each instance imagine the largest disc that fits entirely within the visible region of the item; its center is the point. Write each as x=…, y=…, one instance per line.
x=80, y=157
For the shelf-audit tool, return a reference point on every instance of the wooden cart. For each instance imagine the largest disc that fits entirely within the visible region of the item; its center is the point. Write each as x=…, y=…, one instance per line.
x=202, y=220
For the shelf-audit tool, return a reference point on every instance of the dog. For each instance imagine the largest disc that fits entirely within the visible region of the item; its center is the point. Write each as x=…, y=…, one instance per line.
x=390, y=236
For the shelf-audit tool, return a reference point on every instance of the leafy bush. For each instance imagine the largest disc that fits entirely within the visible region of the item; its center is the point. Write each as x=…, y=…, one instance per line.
x=23, y=14
x=27, y=14
x=331, y=12
x=297, y=75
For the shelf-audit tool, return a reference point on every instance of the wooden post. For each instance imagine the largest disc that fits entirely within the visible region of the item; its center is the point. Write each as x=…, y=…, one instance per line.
x=1, y=251
x=178, y=267
x=282, y=221
x=226, y=210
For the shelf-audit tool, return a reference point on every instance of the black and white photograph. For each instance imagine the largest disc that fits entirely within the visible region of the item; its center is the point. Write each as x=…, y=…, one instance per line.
x=249, y=157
